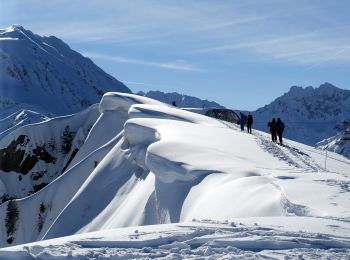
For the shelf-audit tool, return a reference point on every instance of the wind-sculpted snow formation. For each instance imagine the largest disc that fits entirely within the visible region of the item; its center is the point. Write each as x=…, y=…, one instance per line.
x=147, y=163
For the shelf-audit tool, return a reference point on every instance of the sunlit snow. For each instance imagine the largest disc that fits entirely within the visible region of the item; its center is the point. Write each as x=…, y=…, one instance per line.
x=200, y=185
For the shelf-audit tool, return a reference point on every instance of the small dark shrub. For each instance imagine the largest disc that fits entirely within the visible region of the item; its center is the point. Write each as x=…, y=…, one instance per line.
x=11, y=219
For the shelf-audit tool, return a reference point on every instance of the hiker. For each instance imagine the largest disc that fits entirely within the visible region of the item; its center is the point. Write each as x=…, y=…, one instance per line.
x=249, y=123
x=242, y=120
x=272, y=126
x=279, y=129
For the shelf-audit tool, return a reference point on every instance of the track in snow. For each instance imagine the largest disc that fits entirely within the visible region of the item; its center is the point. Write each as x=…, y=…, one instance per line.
x=205, y=239
x=291, y=155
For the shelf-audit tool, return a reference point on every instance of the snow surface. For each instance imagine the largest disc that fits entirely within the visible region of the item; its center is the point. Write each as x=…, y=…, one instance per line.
x=240, y=238
x=147, y=163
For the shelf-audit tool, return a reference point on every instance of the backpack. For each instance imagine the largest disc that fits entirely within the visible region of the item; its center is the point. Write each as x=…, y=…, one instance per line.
x=280, y=125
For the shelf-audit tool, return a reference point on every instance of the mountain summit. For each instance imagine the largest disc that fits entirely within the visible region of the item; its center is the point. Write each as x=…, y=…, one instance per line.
x=44, y=74
x=311, y=114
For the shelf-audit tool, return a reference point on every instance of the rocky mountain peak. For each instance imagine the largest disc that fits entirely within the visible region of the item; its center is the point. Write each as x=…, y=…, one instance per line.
x=45, y=75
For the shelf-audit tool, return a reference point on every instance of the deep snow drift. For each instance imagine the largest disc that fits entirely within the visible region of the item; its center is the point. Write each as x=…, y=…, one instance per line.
x=147, y=163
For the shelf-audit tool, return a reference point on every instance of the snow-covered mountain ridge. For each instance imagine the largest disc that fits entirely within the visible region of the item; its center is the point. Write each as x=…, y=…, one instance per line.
x=33, y=155
x=43, y=74
x=339, y=143
x=18, y=119
x=144, y=162
x=310, y=114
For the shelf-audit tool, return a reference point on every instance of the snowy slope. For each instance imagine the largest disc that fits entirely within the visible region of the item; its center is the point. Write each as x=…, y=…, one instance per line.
x=18, y=119
x=180, y=99
x=146, y=163
x=339, y=143
x=310, y=114
x=43, y=74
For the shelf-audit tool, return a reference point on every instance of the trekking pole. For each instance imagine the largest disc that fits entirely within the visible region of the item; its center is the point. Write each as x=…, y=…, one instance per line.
x=325, y=161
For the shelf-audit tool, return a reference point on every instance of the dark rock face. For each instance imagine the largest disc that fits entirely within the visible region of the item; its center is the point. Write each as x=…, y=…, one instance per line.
x=10, y=157
x=37, y=175
x=223, y=114
x=38, y=187
x=75, y=151
x=13, y=158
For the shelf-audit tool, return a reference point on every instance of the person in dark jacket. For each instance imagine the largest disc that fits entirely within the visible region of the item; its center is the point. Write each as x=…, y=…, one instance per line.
x=279, y=129
x=243, y=120
x=249, y=123
x=272, y=126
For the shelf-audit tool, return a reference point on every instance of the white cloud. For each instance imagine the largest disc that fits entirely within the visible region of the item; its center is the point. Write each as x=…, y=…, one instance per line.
x=181, y=65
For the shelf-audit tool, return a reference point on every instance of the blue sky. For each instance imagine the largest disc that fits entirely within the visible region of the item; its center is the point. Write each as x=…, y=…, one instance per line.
x=242, y=54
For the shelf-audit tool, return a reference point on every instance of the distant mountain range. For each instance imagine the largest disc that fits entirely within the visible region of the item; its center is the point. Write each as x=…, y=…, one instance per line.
x=180, y=99
x=45, y=75
x=310, y=114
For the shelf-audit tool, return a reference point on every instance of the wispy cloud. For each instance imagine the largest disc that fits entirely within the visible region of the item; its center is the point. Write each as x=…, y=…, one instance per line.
x=303, y=49
x=336, y=52
x=283, y=31
x=180, y=65
x=235, y=22
x=135, y=83
x=256, y=43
